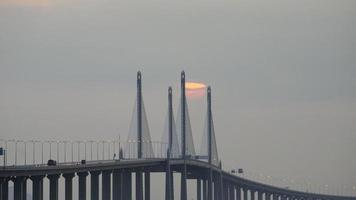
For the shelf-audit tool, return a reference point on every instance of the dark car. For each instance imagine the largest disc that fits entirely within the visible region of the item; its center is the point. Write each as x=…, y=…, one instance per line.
x=51, y=162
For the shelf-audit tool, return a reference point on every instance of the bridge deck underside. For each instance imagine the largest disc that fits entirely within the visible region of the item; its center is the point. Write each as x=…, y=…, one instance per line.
x=196, y=170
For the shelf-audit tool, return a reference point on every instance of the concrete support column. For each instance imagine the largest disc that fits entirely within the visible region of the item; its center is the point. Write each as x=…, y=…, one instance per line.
x=117, y=185
x=139, y=186
x=205, y=192
x=252, y=194
x=147, y=186
x=198, y=189
x=1, y=182
x=210, y=184
x=267, y=196
x=183, y=182
x=37, y=187
x=225, y=191
x=231, y=192
x=169, y=184
x=19, y=188
x=275, y=196
x=24, y=189
x=106, y=185
x=53, y=186
x=94, y=185
x=82, y=185
x=68, y=186
x=127, y=185
x=245, y=190
x=260, y=195
x=221, y=185
x=238, y=193
x=5, y=189
x=216, y=188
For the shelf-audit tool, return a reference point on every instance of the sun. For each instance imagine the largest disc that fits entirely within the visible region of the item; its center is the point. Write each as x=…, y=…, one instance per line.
x=195, y=90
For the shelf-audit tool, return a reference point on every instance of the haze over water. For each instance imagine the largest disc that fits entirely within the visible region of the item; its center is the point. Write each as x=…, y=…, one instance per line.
x=282, y=75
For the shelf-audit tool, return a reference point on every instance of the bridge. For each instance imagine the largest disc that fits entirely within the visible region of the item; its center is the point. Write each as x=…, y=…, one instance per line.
x=128, y=174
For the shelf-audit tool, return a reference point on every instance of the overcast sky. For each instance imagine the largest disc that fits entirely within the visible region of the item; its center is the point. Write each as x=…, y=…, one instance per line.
x=283, y=75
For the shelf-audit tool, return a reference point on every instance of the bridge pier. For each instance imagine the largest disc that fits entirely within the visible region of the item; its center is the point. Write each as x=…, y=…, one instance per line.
x=220, y=185
x=127, y=185
x=183, y=187
x=231, y=191
x=268, y=196
x=238, y=192
x=216, y=188
x=106, y=185
x=19, y=188
x=275, y=196
x=225, y=190
x=82, y=185
x=245, y=191
x=2, y=180
x=147, y=186
x=94, y=185
x=117, y=185
x=68, y=187
x=53, y=186
x=139, y=185
x=205, y=192
x=37, y=187
x=198, y=189
x=252, y=194
x=4, y=189
x=24, y=189
x=210, y=184
x=260, y=195
x=169, y=183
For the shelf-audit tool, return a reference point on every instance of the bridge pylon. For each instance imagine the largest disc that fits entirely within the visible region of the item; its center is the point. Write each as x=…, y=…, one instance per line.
x=183, y=139
x=139, y=143
x=169, y=174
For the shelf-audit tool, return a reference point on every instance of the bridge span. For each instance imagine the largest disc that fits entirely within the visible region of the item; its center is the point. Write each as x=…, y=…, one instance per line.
x=179, y=156
x=225, y=185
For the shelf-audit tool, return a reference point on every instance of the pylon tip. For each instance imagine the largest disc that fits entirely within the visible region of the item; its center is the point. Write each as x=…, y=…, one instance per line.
x=138, y=74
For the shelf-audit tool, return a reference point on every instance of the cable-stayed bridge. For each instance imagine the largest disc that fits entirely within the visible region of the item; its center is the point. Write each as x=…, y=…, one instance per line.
x=113, y=166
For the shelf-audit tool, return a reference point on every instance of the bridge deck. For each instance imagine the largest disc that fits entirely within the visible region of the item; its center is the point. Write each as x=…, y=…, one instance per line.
x=152, y=165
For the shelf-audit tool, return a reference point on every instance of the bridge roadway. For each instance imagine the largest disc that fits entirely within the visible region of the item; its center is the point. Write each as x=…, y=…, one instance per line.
x=232, y=187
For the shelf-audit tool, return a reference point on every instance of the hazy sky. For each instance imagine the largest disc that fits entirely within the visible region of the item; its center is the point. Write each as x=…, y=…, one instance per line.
x=283, y=75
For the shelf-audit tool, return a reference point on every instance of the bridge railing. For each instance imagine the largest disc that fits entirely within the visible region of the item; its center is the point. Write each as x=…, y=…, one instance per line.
x=36, y=152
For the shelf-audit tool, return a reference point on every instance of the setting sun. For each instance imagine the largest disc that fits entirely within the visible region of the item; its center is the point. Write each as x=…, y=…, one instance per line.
x=195, y=90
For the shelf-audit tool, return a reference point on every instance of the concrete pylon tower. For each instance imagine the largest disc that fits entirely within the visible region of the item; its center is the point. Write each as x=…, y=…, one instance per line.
x=169, y=136
x=170, y=129
x=208, y=147
x=183, y=138
x=184, y=129
x=139, y=144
